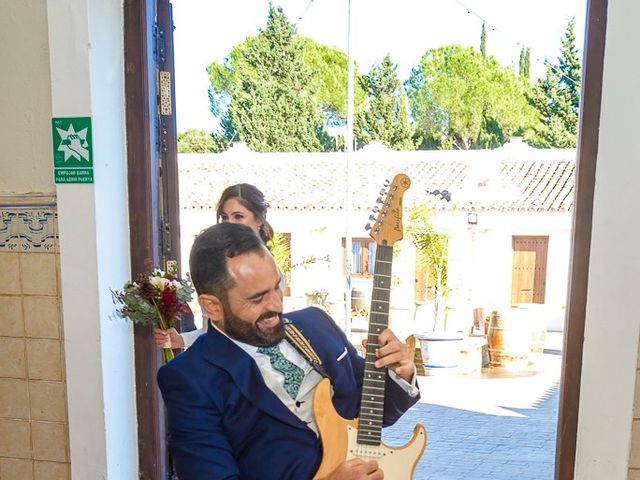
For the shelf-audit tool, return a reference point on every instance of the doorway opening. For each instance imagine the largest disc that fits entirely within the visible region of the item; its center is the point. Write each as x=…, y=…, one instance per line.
x=310, y=262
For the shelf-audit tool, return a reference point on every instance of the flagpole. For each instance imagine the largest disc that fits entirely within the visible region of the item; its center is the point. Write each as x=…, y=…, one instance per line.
x=349, y=154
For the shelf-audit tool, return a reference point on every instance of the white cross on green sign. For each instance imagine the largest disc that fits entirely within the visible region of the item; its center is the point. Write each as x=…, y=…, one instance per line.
x=72, y=150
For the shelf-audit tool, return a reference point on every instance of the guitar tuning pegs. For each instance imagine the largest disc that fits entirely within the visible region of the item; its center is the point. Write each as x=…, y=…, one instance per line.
x=387, y=182
x=375, y=209
x=379, y=200
x=367, y=227
x=372, y=217
x=382, y=191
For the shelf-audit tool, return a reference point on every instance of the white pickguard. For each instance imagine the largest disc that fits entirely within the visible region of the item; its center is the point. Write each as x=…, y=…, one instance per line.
x=397, y=463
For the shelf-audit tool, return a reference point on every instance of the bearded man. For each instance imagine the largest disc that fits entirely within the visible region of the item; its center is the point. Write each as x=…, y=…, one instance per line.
x=239, y=400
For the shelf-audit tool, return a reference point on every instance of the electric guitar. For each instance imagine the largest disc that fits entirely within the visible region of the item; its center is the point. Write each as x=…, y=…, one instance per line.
x=361, y=438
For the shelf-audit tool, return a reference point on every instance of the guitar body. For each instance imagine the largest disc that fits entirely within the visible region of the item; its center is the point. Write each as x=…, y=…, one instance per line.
x=339, y=435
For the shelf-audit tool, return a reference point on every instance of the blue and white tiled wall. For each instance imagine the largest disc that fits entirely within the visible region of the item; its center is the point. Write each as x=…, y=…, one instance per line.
x=28, y=223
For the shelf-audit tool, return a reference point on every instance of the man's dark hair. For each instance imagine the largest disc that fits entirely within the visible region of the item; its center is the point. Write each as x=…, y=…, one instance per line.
x=209, y=253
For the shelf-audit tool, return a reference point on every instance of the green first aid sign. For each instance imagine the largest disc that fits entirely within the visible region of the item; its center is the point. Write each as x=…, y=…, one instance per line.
x=72, y=150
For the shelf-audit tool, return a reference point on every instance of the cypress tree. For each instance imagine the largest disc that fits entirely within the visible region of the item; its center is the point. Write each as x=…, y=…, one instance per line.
x=274, y=109
x=570, y=66
x=385, y=117
x=523, y=64
x=557, y=97
x=483, y=41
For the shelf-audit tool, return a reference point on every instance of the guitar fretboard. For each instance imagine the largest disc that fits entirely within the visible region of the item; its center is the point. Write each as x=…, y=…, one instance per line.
x=372, y=401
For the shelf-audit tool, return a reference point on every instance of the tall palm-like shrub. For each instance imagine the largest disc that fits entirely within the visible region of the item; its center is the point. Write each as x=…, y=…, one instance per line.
x=432, y=252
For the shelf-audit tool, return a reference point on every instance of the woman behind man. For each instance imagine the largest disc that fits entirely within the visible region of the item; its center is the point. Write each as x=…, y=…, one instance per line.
x=239, y=203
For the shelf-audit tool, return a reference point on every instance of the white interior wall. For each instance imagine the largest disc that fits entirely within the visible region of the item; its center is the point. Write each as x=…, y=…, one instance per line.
x=25, y=99
x=87, y=79
x=611, y=332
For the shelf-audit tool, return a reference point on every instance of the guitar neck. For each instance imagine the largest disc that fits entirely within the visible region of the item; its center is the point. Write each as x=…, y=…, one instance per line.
x=372, y=400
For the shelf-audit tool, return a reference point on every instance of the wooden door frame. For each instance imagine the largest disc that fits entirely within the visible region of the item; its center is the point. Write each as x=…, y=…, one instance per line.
x=146, y=248
x=587, y=154
x=144, y=223
x=153, y=202
x=168, y=134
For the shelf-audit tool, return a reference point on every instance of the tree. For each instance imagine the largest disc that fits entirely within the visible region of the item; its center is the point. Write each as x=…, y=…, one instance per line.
x=330, y=71
x=385, y=115
x=570, y=66
x=264, y=92
x=483, y=41
x=195, y=141
x=524, y=64
x=556, y=97
x=325, y=66
x=455, y=95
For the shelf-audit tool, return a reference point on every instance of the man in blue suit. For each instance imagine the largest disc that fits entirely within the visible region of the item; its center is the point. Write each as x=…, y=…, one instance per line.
x=239, y=399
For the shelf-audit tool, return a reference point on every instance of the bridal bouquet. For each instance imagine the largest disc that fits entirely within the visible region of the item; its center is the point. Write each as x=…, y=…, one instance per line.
x=155, y=299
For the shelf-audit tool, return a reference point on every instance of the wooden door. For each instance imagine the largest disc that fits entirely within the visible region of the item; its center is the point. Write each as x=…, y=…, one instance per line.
x=529, y=275
x=153, y=198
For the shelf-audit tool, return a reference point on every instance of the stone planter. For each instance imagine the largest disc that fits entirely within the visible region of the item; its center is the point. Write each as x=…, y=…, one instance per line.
x=440, y=351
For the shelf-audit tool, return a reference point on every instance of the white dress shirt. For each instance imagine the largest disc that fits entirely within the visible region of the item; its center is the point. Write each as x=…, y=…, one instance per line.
x=301, y=406
x=191, y=336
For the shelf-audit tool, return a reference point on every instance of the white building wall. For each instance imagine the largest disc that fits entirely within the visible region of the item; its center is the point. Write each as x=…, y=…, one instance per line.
x=480, y=262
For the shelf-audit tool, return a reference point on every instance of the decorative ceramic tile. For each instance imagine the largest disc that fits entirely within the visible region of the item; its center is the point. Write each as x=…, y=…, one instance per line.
x=28, y=223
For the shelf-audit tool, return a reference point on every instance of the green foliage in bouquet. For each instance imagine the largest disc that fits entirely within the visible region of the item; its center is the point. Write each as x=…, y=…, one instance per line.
x=155, y=299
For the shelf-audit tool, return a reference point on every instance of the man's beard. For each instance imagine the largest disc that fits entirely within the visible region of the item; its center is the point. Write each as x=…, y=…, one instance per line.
x=250, y=333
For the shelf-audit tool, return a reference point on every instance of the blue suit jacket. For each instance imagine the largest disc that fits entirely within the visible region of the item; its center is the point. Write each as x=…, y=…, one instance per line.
x=224, y=423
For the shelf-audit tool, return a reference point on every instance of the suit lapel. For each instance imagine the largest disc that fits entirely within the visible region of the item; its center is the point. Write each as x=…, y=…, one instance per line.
x=222, y=352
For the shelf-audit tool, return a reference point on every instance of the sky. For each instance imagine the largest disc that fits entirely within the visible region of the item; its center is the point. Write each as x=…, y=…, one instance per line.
x=207, y=30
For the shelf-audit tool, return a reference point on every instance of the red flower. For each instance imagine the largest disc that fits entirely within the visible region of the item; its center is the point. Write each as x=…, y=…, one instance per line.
x=169, y=301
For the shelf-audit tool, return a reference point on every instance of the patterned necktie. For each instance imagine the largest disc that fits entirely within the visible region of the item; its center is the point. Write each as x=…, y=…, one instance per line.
x=293, y=375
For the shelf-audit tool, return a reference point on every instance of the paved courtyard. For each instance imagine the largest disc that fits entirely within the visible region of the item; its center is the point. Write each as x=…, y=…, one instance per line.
x=499, y=425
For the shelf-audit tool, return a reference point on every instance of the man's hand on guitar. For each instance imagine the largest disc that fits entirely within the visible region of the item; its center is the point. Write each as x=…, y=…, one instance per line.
x=356, y=469
x=393, y=354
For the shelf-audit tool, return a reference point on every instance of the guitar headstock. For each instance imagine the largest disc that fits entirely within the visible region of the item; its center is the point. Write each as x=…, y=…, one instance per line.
x=387, y=225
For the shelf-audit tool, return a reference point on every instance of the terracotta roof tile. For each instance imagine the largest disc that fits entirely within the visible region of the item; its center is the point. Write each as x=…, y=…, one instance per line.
x=511, y=178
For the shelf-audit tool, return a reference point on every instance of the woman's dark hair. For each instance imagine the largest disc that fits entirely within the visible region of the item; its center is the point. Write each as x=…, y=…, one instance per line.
x=253, y=200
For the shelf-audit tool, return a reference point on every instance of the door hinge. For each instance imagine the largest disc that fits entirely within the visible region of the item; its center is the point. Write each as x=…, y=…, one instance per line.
x=166, y=238
x=161, y=137
x=159, y=52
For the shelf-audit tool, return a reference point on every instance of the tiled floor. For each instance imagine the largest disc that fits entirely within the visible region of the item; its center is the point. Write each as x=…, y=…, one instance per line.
x=495, y=426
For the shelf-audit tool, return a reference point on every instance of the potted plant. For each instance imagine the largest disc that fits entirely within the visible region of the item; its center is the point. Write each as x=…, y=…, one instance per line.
x=440, y=349
x=319, y=298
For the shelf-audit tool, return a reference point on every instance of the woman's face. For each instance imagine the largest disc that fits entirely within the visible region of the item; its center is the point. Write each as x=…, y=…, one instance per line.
x=233, y=211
